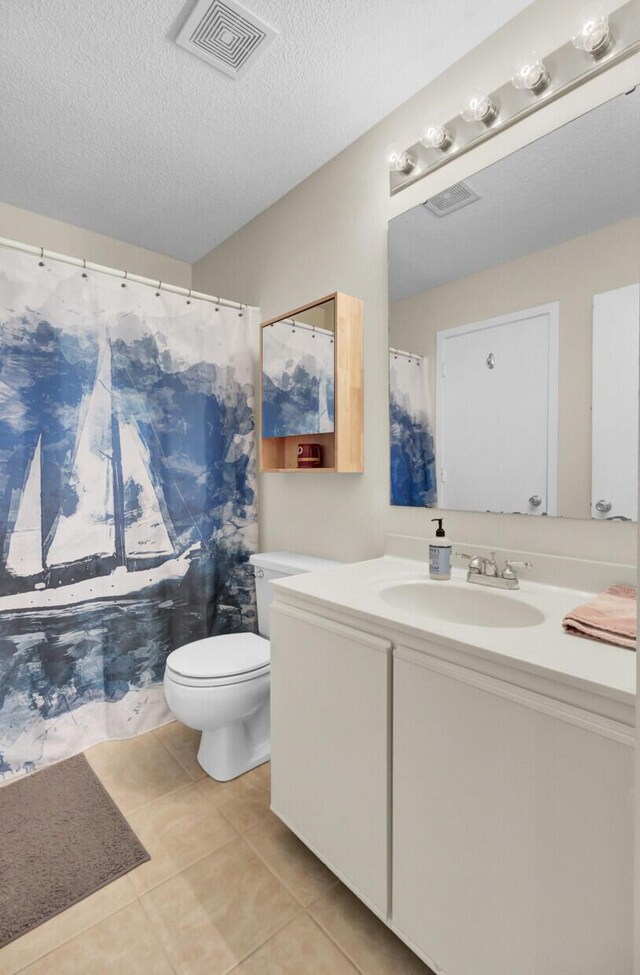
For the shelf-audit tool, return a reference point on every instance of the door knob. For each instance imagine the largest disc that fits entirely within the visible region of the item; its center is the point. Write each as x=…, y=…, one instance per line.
x=535, y=500
x=603, y=506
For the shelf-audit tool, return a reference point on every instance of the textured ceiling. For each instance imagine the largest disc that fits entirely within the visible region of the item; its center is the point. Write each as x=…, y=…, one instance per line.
x=107, y=124
x=583, y=176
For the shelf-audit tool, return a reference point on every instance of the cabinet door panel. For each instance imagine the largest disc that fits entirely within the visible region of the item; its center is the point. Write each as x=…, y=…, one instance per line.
x=330, y=744
x=512, y=832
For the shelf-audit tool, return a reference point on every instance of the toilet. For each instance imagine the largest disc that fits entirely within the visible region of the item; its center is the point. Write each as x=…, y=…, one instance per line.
x=220, y=685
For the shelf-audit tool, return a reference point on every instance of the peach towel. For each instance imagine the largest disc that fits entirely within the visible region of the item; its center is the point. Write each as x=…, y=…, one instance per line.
x=610, y=617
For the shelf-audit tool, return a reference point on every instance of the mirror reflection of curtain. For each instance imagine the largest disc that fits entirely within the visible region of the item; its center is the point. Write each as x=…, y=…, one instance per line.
x=297, y=380
x=413, y=468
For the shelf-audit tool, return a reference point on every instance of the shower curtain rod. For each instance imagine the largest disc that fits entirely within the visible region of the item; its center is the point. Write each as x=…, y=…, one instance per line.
x=174, y=289
x=407, y=355
x=304, y=326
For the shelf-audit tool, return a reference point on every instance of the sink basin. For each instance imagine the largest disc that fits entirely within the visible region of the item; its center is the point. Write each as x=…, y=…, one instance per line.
x=469, y=606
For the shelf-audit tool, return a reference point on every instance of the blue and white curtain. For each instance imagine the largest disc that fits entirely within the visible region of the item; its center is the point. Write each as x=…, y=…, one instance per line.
x=127, y=499
x=413, y=466
x=297, y=380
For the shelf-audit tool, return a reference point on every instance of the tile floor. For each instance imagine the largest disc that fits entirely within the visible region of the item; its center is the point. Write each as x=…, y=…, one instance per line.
x=228, y=887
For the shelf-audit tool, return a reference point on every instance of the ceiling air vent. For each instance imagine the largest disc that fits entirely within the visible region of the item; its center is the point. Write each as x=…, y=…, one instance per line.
x=226, y=35
x=457, y=196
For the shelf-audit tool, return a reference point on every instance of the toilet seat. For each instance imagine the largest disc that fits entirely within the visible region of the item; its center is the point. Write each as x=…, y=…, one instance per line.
x=216, y=660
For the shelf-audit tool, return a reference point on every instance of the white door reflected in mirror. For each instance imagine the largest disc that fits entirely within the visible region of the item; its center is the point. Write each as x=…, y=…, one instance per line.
x=497, y=413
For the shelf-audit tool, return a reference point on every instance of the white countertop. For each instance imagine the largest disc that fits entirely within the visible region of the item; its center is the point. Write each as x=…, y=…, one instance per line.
x=545, y=649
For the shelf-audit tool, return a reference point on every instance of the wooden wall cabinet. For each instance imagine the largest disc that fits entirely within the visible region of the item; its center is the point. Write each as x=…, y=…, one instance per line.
x=333, y=326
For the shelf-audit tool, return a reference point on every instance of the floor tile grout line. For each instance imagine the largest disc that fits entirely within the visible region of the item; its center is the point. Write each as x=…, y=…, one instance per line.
x=165, y=795
x=78, y=934
x=326, y=892
x=336, y=943
x=175, y=757
x=145, y=805
x=279, y=879
x=130, y=740
x=240, y=961
x=227, y=817
x=157, y=937
x=187, y=866
x=273, y=934
x=136, y=809
x=300, y=908
x=271, y=937
x=273, y=873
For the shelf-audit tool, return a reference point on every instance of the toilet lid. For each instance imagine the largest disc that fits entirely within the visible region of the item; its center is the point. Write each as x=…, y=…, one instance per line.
x=220, y=656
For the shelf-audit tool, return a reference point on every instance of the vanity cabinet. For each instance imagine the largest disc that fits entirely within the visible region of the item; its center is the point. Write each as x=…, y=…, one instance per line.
x=479, y=811
x=512, y=827
x=330, y=719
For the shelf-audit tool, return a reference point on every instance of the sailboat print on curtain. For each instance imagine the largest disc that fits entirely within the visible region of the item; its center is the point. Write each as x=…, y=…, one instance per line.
x=127, y=500
x=117, y=519
x=24, y=556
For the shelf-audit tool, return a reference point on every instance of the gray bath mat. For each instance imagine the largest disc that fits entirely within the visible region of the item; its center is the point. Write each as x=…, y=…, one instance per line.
x=62, y=837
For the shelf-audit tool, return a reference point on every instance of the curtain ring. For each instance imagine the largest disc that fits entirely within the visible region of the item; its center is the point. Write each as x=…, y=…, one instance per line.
x=218, y=304
x=124, y=283
x=41, y=261
x=159, y=289
x=189, y=297
x=84, y=267
x=240, y=307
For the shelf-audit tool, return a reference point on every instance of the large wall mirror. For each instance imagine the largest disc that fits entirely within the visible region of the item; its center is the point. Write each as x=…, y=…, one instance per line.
x=514, y=325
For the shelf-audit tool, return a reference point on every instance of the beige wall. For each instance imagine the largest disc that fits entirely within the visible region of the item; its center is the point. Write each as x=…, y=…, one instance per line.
x=569, y=273
x=64, y=238
x=330, y=233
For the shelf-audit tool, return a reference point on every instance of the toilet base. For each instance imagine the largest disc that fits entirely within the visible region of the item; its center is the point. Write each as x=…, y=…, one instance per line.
x=236, y=748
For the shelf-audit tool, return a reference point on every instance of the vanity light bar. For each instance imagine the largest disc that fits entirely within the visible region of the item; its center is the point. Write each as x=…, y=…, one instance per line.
x=600, y=42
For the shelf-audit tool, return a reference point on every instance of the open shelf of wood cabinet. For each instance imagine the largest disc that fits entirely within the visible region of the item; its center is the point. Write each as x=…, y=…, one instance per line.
x=343, y=448
x=301, y=470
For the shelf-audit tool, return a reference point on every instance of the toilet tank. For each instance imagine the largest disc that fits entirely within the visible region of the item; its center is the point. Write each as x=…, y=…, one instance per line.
x=276, y=565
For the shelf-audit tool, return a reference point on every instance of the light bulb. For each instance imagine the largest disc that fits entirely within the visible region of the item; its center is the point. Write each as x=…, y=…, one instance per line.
x=531, y=74
x=594, y=36
x=437, y=137
x=479, y=108
x=401, y=161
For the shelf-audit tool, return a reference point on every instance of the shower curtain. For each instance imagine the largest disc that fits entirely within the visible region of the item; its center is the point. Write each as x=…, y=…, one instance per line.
x=297, y=380
x=127, y=499
x=413, y=463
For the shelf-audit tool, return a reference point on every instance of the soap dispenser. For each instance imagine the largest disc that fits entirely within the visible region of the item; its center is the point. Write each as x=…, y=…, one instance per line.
x=439, y=553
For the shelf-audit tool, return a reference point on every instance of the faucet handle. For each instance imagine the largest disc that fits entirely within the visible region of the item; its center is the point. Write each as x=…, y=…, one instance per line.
x=509, y=571
x=476, y=562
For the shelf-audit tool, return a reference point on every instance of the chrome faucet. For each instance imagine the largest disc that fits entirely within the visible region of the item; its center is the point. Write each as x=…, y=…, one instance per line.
x=486, y=572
